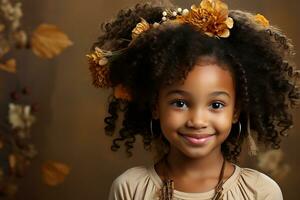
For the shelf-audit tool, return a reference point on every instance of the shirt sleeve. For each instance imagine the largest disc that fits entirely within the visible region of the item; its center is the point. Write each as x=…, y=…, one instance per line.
x=269, y=189
x=119, y=190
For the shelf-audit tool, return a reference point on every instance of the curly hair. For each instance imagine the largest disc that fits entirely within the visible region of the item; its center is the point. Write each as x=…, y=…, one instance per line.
x=259, y=59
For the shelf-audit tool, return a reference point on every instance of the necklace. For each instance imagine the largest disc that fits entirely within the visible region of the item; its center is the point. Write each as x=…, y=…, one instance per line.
x=168, y=184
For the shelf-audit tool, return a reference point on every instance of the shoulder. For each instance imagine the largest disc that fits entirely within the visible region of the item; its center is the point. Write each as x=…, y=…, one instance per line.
x=125, y=186
x=132, y=175
x=264, y=186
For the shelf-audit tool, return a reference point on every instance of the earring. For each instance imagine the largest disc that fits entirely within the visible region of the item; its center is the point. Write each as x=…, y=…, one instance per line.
x=253, y=149
x=240, y=130
x=151, y=129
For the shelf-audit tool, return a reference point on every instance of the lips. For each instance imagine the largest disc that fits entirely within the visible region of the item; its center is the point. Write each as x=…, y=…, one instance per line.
x=196, y=136
x=197, y=139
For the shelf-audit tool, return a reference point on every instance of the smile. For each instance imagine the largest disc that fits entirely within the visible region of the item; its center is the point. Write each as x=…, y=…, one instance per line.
x=197, y=139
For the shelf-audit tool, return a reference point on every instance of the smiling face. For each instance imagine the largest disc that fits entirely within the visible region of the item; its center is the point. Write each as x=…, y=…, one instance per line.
x=196, y=116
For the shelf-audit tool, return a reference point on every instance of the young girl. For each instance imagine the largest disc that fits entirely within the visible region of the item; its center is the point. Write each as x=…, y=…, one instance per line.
x=195, y=84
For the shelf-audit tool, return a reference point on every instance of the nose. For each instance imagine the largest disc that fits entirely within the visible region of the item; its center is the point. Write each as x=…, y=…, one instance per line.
x=197, y=119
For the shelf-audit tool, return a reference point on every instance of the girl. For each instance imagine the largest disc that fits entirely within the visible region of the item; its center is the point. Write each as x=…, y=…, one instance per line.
x=195, y=84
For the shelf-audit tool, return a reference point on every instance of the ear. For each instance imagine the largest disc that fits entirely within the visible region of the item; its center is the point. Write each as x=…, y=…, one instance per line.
x=155, y=113
x=236, y=115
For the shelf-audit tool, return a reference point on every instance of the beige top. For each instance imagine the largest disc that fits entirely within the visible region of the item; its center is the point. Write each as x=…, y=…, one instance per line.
x=142, y=182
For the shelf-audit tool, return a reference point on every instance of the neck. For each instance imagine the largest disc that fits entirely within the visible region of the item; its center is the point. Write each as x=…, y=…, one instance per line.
x=208, y=165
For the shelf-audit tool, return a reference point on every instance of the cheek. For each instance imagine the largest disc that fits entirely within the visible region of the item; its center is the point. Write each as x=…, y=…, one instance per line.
x=171, y=120
x=223, y=123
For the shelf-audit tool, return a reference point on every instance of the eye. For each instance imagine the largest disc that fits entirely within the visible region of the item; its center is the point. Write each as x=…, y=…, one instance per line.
x=179, y=104
x=217, y=105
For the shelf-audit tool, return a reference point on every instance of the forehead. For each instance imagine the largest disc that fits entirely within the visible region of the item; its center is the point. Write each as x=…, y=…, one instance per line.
x=206, y=78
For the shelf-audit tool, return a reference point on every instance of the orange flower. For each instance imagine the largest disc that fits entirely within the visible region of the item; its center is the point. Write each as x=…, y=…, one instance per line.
x=211, y=17
x=120, y=92
x=260, y=19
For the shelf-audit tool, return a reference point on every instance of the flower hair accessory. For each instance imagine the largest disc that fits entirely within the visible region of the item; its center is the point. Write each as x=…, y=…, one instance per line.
x=210, y=17
x=260, y=19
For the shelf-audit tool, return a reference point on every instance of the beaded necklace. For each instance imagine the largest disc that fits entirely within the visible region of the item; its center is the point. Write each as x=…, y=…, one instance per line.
x=167, y=189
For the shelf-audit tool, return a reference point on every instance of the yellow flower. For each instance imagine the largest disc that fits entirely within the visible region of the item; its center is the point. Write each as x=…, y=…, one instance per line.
x=260, y=19
x=120, y=92
x=211, y=17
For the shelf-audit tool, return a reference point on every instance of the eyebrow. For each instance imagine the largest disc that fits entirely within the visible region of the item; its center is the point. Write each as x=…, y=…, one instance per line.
x=185, y=93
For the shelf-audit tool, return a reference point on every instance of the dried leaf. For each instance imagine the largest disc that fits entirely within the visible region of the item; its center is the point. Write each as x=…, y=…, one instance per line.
x=54, y=173
x=48, y=41
x=9, y=66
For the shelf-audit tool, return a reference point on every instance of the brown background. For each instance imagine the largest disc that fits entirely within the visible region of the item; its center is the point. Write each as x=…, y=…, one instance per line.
x=70, y=120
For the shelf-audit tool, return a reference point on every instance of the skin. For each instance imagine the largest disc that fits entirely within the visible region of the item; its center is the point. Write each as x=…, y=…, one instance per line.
x=203, y=104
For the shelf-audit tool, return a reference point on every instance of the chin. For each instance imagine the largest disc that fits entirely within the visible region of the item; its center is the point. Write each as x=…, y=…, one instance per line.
x=196, y=153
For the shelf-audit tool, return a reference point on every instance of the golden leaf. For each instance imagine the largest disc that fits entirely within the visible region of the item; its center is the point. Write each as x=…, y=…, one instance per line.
x=9, y=66
x=48, y=41
x=54, y=173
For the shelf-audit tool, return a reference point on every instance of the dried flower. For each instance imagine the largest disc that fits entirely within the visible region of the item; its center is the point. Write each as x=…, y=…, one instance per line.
x=20, y=116
x=12, y=13
x=21, y=38
x=48, y=41
x=211, y=17
x=54, y=172
x=99, y=68
x=260, y=19
x=140, y=28
x=120, y=92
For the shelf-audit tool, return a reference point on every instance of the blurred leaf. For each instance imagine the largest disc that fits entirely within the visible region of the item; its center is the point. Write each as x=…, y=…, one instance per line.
x=48, y=41
x=12, y=159
x=54, y=173
x=9, y=66
x=2, y=27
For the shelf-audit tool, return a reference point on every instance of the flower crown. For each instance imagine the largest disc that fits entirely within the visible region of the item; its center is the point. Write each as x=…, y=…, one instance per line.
x=210, y=17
